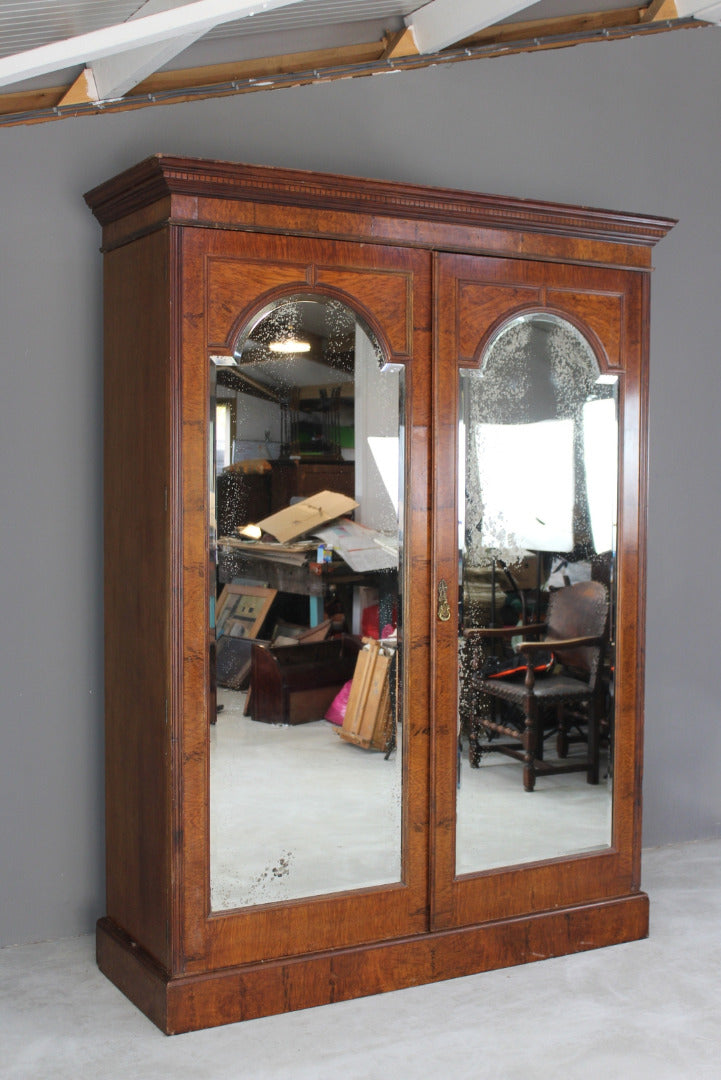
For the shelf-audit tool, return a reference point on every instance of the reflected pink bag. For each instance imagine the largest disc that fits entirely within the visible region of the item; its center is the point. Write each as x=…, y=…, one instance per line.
x=337, y=707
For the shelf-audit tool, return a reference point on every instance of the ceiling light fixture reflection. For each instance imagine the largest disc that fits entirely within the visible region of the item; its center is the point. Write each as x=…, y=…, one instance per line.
x=289, y=345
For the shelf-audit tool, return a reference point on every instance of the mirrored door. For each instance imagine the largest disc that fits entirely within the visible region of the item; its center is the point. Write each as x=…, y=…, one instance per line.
x=532, y=538
x=314, y=766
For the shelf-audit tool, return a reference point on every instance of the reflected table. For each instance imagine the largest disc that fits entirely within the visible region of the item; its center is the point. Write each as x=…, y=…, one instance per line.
x=315, y=580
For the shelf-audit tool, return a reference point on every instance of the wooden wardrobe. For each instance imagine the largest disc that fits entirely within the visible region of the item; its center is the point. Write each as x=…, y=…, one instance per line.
x=193, y=249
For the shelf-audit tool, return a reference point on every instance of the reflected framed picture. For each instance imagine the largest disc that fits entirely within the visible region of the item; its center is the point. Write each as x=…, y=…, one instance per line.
x=242, y=609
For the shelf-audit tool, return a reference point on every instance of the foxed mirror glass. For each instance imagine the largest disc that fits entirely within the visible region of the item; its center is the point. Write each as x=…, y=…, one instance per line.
x=538, y=462
x=305, y=771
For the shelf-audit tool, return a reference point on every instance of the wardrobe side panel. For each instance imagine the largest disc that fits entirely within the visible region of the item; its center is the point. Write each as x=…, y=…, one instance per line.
x=137, y=447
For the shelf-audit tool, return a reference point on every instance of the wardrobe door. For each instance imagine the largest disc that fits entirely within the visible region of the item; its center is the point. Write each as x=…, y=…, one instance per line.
x=539, y=480
x=293, y=840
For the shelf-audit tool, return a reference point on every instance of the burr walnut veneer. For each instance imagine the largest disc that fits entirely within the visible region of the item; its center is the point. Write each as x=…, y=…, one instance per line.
x=191, y=249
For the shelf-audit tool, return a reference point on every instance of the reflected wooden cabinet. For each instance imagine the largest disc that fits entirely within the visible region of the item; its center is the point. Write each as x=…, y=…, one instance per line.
x=441, y=284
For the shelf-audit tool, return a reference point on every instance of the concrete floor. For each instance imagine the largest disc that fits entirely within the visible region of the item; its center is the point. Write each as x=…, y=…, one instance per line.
x=342, y=827
x=649, y=1009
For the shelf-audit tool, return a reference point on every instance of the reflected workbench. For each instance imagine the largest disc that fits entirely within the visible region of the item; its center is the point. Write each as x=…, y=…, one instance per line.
x=318, y=581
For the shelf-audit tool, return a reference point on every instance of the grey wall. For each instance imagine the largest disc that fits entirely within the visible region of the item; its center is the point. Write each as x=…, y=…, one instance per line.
x=632, y=125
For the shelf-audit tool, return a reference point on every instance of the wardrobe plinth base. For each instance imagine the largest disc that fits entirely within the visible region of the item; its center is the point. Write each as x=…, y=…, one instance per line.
x=190, y=1002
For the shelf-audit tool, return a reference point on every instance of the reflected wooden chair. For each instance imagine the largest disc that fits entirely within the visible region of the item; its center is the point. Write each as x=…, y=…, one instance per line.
x=575, y=632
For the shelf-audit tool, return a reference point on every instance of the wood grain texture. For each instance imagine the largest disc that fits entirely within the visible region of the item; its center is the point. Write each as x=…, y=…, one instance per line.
x=137, y=589
x=293, y=200
x=193, y=249
x=226, y=996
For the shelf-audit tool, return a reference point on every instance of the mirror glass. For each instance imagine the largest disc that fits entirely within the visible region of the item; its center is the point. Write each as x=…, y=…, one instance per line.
x=538, y=459
x=306, y=467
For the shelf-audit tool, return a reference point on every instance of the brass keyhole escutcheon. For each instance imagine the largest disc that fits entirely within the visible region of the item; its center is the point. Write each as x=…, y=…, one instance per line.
x=444, y=611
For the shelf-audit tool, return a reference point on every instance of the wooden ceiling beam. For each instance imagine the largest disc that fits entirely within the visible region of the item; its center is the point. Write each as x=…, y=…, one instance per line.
x=401, y=43
x=266, y=67
x=187, y=78
x=560, y=26
x=660, y=9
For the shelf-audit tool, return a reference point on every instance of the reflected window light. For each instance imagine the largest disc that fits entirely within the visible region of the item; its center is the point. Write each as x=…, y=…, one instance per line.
x=385, y=451
x=223, y=435
x=600, y=435
x=518, y=514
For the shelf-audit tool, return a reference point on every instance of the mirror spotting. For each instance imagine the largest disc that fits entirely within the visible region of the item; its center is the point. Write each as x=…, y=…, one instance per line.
x=306, y=479
x=538, y=463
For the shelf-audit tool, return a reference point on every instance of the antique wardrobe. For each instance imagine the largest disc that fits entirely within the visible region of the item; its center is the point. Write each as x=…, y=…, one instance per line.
x=489, y=357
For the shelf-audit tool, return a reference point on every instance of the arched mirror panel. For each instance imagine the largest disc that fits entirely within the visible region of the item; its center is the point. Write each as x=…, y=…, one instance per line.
x=537, y=506
x=306, y=478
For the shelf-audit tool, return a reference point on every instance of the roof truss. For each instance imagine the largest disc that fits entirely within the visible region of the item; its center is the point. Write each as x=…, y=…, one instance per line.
x=157, y=25
x=441, y=23
x=101, y=86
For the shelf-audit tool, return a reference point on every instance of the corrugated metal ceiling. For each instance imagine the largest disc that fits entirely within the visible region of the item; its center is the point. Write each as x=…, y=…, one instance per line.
x=26, y=24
